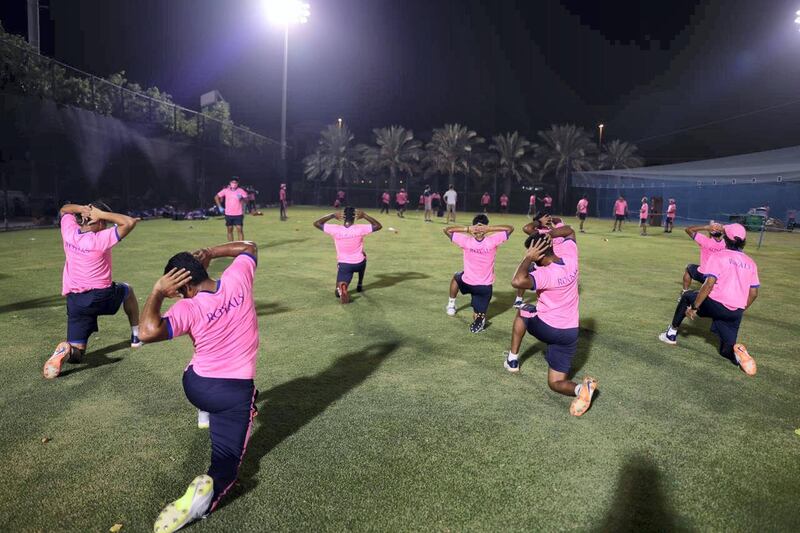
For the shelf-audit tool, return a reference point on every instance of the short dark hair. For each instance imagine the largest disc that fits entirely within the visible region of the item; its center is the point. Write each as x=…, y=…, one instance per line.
x=536, y=237
x=235, y=178
x=538, y=216
x=734, y=244
x=99, y=204
x=190, y=263
x=349, y=214
x=480, y=219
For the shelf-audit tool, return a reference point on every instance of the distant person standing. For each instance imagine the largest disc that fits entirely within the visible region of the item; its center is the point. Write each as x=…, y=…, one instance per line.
x=547, y=204
x=620, y=212
x=582, y=210
x=532, y=205
x=428, y=202
x=340, y=197
x=234, y=198
x=436, y=203
x=485, y=201
x=385, y=199
x=791, y=217
x=401, y=199
x=671, y=210
x=283, y=201
x=450, y=198
x=644, y=212
x=504, y=203
x=251, y=200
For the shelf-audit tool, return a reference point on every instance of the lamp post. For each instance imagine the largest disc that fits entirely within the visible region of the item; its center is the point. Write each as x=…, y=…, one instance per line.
x=286, y=13
x=600, y=136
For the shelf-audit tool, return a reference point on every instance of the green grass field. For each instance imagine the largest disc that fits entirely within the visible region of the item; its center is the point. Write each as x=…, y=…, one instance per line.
x=387, y=415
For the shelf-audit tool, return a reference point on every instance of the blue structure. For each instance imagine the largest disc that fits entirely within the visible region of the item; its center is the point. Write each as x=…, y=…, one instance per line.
x=703, y=190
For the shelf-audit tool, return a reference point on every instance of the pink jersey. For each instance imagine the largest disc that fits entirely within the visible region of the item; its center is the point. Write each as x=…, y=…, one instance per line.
x=222, y=324
x=421, y=199
x=557, y=288
x=620, y=206
x=233, y=200
x=708, y=247
x=504, y=200
x=644, y=211
x=385, y=197
x=401, y=198
x=583, y=206
x=736, y=273
x=547, y=201
x=479, y=256
x=349, y=241
x=485, y=199
x=671, y=211
x=282, y=195
x=558, y=241
x=532, y=200
x=88, y=256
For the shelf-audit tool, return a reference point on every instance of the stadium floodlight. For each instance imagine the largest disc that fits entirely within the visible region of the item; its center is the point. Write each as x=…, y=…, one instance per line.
x=600, y=135
x=797, y=20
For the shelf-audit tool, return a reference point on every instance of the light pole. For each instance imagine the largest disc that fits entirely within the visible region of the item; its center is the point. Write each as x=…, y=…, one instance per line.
x=600, y=136
x=285, y=13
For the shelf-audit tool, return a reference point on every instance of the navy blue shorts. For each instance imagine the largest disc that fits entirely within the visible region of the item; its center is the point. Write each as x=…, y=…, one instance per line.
x=694, y=273
x=620, y=218
x=346, y=270
x=582, y=216
x=237, y=220
x=561, y=343
x=481, y=294
x=83, y=308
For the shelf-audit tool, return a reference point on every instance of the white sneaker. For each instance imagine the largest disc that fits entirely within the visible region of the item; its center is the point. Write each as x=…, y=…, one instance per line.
x=668, y=339
x=451, y=310
x=188, y=508
x=203, y=419
x=518, y=303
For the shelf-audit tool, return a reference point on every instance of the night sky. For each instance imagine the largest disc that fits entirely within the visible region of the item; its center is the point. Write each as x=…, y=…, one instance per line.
x=642, y=68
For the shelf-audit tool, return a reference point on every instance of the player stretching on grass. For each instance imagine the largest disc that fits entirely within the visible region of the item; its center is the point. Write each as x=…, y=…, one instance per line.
x=220, y=317
x=349, y=241
x=582, y=210
x=730, y=287
x=234, y=212
x=479, y=242
x=86, y=281
x=620, y=212
x=554, y=319
x=708, y=247
x=542, y=223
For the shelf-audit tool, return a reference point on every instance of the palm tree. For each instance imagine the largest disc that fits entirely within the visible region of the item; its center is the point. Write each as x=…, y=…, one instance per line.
x=451, y=152
x=619, y=154
x=335, y=155
x=566, y=148
x=396, y=151
x=512, y=158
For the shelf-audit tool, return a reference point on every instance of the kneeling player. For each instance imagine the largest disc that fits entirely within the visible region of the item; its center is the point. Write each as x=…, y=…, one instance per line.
x=730, y=286
x=554, y=319
x=87, y=282
x=709, y=245
x=349, y=242
x=221, y=319
x=479, y=242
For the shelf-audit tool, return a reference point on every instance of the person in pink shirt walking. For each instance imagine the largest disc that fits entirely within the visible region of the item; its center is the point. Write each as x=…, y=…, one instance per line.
x=730, y=287
x=385, y=201
x=504, y=203
x=485, y=201
x=479, y=243
x=235, y=198
x=644, y=213
x=349, y=241
x=220, y=317
x=532, y=205
x=672, y=209
x=620, y=212
x=582, y=210
x=554, y=319
x=709, y=245
x=401, y=199
x=283, y=201
x=87, y=279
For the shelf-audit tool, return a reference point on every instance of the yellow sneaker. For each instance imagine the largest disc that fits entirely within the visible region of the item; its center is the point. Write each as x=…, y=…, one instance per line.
x=188, y=508
x=583, y=401
x=52, y=368
x=746, y=362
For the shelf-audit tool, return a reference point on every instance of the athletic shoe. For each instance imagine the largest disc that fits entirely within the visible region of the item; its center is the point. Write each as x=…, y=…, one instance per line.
x=336, y=293
x=518, y=303
x=583, y=400
x=52, y=368
x=668, y=339
x=746, y=362
x=203, y=419
x=359, y=288
x=512, y=365
x=344, y=297
x=188, y=508
x=478, y=325
x=135, y=342
x=451, y=310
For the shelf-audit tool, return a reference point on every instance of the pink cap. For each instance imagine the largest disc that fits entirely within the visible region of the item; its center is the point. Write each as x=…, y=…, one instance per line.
x=734, y=231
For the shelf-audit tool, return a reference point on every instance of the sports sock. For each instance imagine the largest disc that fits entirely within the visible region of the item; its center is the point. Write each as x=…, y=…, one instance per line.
x=672, y=331
x=578, y=388
x=135, y=331
x=513, y=356
x=451, y=301
x=518, y=299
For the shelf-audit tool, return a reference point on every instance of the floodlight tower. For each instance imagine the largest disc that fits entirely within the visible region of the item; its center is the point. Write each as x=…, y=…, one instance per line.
x=285, y=13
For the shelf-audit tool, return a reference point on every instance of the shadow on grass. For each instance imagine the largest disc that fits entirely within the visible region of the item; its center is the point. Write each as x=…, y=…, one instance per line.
x=271, y=308
x=98, y=358
x=36, y=303
x=393, y=278
x=502, y=302
x=640, y=504
x=286, y=408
